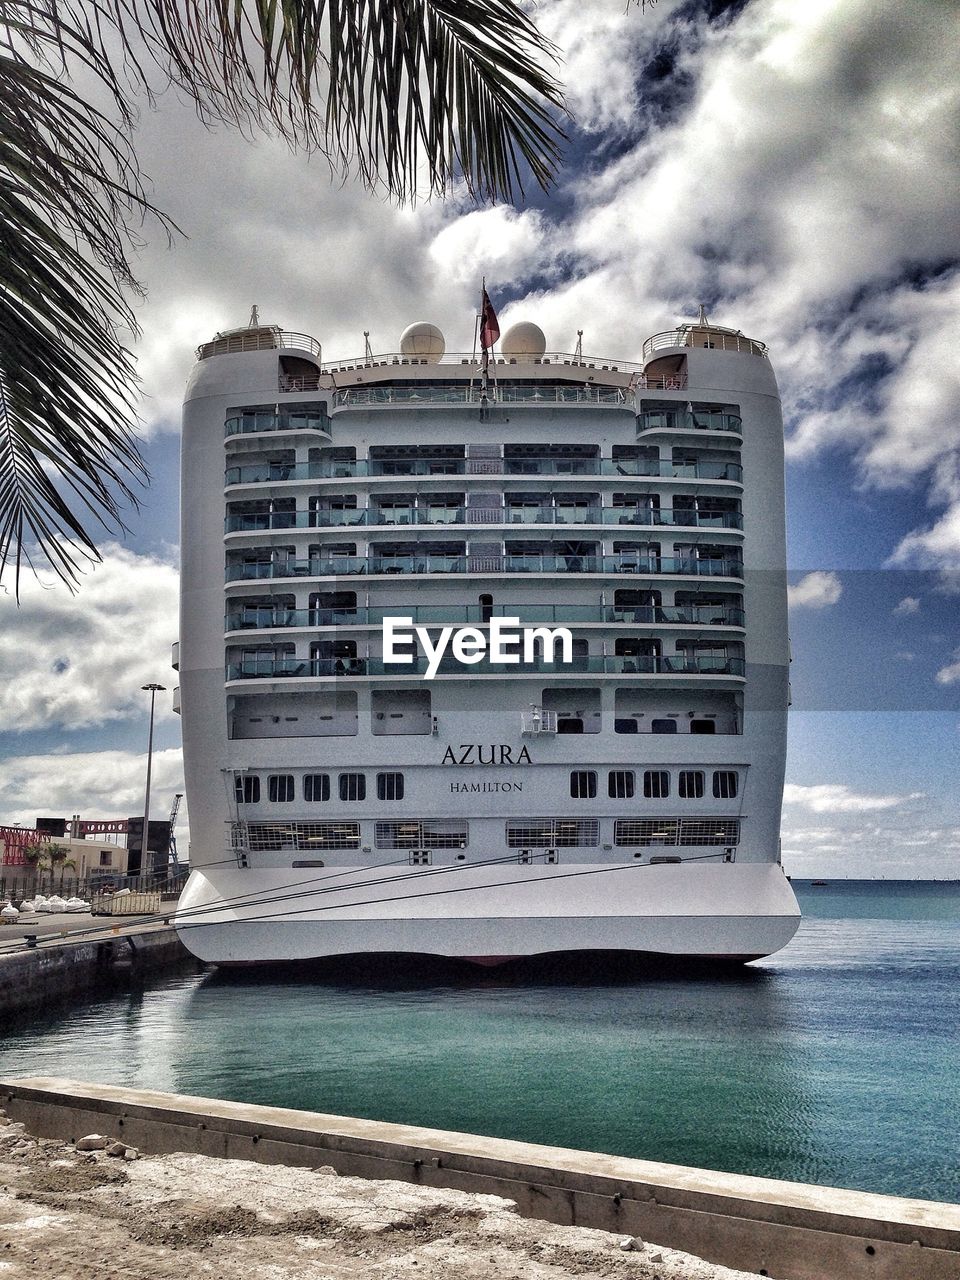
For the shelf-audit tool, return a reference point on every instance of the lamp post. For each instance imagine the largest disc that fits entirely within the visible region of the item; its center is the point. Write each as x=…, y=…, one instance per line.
x=153, y=690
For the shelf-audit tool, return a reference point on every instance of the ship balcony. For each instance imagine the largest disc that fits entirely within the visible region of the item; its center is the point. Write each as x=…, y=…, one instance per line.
x=314, y=425
x=703, y=335
x=637, y=565
x=682, y=421
x=266, y=618
x=443, y=395
x=373, y=517
x=682, y=667
x=483, y=468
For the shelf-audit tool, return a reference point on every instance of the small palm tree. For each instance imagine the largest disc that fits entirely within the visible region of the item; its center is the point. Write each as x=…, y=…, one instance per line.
x=402, y=95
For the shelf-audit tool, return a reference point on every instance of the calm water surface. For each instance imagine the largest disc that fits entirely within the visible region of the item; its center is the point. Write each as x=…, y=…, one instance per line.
x=834, y=1062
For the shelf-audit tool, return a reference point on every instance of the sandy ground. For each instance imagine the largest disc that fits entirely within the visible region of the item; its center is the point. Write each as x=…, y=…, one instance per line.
x=75, y=1215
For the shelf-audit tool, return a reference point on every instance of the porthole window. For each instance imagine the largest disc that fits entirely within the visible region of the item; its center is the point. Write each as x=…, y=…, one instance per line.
x=621, y=784
x=583, y=784
x=725, y=784
x=656, y=784
x=316, y=787
x=352, y=786
x=280, y=788
x=248, y=790
x=389, y=786
x=691, y=784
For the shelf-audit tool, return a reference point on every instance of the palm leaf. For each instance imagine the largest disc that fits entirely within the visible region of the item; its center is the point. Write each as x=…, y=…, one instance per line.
x=406, y=94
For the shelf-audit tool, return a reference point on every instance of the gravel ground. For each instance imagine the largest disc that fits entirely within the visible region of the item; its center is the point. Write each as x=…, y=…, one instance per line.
x=66, y=1214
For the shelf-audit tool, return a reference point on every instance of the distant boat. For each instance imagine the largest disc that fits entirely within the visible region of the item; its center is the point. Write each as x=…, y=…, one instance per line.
x=818, y=883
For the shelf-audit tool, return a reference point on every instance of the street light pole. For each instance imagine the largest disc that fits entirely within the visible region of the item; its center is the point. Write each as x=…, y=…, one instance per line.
x=153, y=690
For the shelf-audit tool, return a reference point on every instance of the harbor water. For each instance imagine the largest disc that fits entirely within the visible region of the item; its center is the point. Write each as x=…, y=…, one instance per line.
x=833, y=1062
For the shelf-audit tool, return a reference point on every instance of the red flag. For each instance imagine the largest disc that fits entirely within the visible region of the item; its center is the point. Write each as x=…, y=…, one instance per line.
x=489, y=325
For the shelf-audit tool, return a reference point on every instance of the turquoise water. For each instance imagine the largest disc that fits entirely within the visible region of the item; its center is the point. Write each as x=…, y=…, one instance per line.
x=834, y=1062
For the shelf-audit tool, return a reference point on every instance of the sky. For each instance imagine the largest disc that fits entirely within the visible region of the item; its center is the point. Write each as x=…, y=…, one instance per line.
x=793, y=167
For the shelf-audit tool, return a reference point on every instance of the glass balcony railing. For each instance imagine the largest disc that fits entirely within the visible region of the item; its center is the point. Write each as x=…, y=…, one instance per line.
x=628, y=468
x=586, y=664
x=543, y=393
x=624, y=563
x=685, y=420
x=252, y=521
x=254, y=423
x=269, y=618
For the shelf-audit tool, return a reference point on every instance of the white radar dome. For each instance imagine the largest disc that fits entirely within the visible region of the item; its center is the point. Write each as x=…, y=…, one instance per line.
x=422, y=341
x=523, y=339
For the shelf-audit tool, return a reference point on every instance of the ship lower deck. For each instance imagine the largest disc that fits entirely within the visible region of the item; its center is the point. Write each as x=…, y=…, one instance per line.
x=231, y=916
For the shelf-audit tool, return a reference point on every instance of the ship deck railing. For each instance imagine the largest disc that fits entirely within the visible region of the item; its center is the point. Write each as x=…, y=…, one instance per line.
x=266, y=618
x=263, y=521
x=638, y=664
x=348, y=469
x=354, y=566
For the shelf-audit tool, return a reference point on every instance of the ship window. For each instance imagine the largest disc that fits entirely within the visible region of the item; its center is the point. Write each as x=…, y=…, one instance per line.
x=691, y=784
x=703, y=726
x=307, y=862
x=625, y=725
x=389, y=786
x=725, y=784
x=583, y=784
x=316, y=786
x=656, y=784
x=248, y=790
x=106, y=859
x=280, y=788
x=620, y=784
x=663, y=726
x=569, y=724
x=353, y=786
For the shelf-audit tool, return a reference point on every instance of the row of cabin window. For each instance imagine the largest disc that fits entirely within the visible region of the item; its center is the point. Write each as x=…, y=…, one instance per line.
x=281, y=787
x=621, y=784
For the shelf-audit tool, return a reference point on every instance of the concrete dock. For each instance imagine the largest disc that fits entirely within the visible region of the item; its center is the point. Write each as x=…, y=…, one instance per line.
x=79, y=953
x=793, y=1231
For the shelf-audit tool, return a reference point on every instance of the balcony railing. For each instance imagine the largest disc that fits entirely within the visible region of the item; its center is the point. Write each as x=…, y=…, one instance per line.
x=346, y=668
x=698, y=335
x=628, y=468
x=254, y=521
x=255, y=423
x=258, y=338
x=542, y=394
x=683, y=420
x=351, y=566
x=270, y=618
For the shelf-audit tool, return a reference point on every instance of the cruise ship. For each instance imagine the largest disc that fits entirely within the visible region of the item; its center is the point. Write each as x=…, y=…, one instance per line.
x=605, y=778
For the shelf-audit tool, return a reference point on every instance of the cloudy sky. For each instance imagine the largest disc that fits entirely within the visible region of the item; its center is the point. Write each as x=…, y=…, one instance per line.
x=792, y=166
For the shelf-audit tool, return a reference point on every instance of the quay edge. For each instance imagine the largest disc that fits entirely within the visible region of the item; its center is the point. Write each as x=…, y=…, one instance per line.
x=790, y=1230
x=58, y=970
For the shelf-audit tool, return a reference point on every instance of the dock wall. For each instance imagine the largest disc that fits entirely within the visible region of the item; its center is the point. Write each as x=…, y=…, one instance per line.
x=55, y=970
x=792, y=1231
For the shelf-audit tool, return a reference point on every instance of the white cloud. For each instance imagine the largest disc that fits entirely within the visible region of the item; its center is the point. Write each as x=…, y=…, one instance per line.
x=73, y=661
x=95, y=784
x=839, y=798
x=908, y=605
x=950, y=674
x=817, y=590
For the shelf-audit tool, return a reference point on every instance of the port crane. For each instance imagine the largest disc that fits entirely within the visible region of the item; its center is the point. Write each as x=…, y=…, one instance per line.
x=174, y=810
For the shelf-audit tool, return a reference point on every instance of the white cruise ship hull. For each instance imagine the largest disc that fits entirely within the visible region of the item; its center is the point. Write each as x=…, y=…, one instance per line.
x=489, y=915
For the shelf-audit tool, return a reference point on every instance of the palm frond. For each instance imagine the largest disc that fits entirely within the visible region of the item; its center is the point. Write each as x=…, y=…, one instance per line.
x=404, y=93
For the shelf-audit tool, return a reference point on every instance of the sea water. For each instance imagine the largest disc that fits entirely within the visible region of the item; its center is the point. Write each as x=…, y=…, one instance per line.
x=835, y=1061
